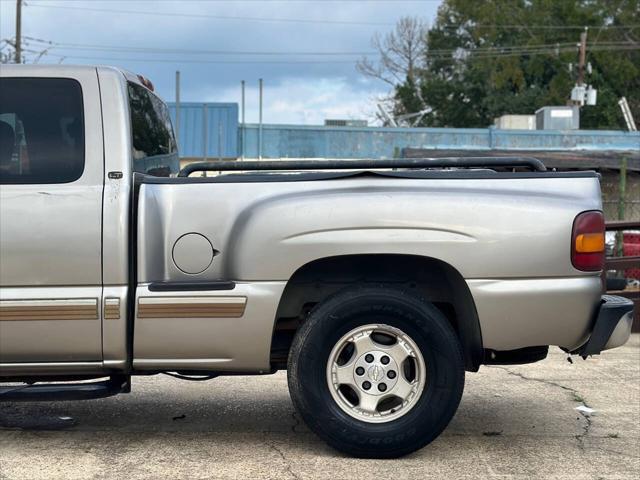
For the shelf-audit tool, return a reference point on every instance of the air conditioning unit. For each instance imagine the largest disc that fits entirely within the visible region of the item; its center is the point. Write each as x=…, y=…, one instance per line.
x=558, y=118
x=516, y=122
x=345, y=123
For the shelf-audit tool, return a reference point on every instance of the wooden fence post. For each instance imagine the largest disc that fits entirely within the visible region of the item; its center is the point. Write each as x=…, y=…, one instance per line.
x=622, y=197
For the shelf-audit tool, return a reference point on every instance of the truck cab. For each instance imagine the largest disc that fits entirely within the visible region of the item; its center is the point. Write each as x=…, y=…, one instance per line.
x=70, y=136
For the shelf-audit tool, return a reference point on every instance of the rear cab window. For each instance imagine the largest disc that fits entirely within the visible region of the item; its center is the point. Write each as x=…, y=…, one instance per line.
x=154, y=147
x=41, y=131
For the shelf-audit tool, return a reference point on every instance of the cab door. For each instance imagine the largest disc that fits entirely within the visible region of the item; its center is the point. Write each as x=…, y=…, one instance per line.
x=51, y=183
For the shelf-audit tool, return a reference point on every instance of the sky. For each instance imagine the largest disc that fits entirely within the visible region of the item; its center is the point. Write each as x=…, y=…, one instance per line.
x=305, y=50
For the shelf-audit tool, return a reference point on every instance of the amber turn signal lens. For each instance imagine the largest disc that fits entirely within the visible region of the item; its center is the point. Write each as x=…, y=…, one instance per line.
x=590, y=243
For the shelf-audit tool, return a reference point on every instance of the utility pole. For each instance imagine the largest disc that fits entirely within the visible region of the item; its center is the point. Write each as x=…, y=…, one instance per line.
x=260, y=121
x=18, y=53
x=582, y=94
x=243, y=130
x=583, y=57
x=178, y=107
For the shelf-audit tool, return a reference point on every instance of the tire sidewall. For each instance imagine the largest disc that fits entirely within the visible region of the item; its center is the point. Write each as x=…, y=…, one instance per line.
x=418, y=319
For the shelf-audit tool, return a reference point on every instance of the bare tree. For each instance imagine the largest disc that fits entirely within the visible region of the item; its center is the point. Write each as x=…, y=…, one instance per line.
x=401, y=52
x=33, y=50
x=7, y=50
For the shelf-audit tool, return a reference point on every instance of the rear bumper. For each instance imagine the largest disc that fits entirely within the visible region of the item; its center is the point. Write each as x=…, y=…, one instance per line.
x=518, y=313
x=612, y=326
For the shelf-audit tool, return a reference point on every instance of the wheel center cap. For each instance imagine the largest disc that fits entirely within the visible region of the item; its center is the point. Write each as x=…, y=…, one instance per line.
x=376, y=372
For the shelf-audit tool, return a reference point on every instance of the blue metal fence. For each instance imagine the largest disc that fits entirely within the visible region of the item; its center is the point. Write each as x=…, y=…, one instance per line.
x=296, y=141
x=211, y=130
x=207, y=130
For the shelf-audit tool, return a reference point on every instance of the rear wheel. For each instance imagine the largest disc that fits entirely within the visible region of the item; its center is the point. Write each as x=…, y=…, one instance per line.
x=376, y=372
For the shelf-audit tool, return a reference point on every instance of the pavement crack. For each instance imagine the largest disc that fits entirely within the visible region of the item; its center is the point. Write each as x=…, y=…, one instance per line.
x=576, y=396
x=573, y=391
x=285, y=460
x=585, y=431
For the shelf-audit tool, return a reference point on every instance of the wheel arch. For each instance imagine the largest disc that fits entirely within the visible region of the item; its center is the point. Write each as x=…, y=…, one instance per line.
x=434, y=279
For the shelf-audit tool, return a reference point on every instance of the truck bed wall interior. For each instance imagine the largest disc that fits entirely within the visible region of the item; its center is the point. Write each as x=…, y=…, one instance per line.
x=506, y=234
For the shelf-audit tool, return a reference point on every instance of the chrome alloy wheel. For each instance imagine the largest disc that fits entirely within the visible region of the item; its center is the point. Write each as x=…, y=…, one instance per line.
x=376, y=373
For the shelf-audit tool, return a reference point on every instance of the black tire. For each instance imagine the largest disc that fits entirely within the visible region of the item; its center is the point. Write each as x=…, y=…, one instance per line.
x=427, y=327
x=615, y=283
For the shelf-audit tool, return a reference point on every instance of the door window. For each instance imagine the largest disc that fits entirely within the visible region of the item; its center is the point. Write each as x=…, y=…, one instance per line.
x=41, y=130
x=154, y=146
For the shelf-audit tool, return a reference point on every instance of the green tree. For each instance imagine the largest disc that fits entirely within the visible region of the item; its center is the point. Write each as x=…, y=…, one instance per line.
x=483, y=59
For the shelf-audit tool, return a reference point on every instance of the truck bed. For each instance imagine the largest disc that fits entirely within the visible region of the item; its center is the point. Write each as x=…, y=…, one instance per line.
x=506, y=233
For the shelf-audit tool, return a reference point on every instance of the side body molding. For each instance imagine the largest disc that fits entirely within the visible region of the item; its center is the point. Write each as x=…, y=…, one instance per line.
x=227, y=330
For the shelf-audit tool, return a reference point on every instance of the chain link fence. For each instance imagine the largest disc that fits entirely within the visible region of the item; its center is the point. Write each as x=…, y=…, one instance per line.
x=621, y=202
x=619, y=205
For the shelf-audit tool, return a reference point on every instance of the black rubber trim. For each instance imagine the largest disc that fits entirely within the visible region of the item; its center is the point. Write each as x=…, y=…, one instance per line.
x=519, y=356
x=133, y=269
x=68, y=391
x=611, y=310
x=264, y=177
x=350, y=164
x=191, y=286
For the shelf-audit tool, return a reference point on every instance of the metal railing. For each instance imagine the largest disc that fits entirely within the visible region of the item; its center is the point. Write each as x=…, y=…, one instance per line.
x=529, y=163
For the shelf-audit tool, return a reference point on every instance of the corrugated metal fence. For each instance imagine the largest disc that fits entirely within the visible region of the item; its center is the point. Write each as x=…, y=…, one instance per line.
x=207, y=130
x=306, y=141
x=211, y=130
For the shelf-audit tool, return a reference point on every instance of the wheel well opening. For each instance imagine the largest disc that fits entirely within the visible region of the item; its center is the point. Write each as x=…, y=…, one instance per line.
x=433, y=279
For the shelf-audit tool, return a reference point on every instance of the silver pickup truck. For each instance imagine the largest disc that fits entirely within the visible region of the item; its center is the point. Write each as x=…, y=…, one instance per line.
x=376, y=285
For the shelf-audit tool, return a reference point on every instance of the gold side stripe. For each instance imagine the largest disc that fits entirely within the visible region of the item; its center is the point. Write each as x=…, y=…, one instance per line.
x=45, y=310
x=192, y=300
x=4, y=308
x=54, y=309
x=52, y=302
x=112, y=308
x=30, y=318
x=52, y=312
x=214, y=313
x=186, y=308
x=181, y=314
x=191, y=307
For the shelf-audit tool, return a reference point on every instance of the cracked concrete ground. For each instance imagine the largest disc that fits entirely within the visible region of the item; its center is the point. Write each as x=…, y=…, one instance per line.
x=514, y=422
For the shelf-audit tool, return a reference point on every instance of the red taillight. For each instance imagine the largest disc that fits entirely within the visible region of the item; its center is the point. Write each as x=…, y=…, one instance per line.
x=587, y=241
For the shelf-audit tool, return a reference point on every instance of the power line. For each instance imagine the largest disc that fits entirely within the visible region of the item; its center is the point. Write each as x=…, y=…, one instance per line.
x=613, y=49
x=535, y=27
x=181, y=60
x=435, y=55
x=156, y=50
x=126, y=48
x=274, y=1
x=160, y=51
x=482, y=55
x=334, y=22
x=499, y=49
x=217, y=17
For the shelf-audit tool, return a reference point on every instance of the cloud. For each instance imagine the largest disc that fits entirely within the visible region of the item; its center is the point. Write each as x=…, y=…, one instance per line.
x=303, y=100
x=294, y=92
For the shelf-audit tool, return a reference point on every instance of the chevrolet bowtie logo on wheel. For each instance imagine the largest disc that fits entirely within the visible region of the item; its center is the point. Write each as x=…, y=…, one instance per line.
x=376, y=373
